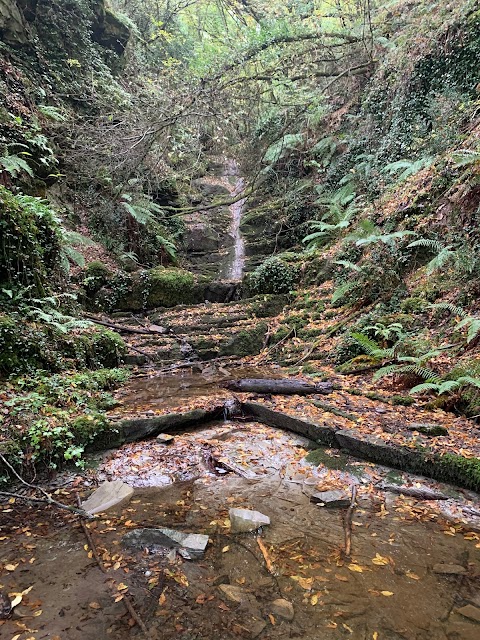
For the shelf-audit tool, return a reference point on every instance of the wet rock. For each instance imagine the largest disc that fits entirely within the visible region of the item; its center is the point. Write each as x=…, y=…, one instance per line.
x=232, y=593
x=189, y=545
x=449, y=569
x=244, y=520
x=470, y=611
x=283, y=609
x=165, y=438
x=331, y=499
x=223, y=579
x=108, y=495
x=255, y=627
x=428, y=429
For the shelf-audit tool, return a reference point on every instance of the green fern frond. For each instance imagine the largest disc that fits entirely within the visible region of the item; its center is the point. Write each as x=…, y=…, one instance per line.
x=341, y=291
x=425, y=386
x=348, y=265
x=14, y=165
x=434, y=245
x=473, y=327
x=447, y=306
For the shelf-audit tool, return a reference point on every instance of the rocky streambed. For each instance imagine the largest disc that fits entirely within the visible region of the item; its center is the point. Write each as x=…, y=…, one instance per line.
x=289, y=578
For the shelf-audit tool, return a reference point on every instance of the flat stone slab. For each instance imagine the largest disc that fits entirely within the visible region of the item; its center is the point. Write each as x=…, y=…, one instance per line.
x=283, y=609
x=108, y=495
x=245, y=520
x=165, y=438
x=189, y=545
x=471, y=612
x=449, y=569
x=331, y=499
x=232, y=593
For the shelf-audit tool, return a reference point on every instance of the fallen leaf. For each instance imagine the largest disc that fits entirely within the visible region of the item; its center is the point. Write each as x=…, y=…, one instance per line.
x=11, y=567
x=225, y=549
x=387, y=594
x=94, y=605
x=412, y=575
x=380, y=560
x=355, y=567
x=272, y=619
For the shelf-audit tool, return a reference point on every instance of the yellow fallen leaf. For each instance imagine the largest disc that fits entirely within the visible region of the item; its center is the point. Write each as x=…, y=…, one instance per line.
x=387, y=594
x=412, y=575
x=37, y=613
x=162, y=599
x=122, y=587
x=116, y=566
x=225, y=549
x=380, y=560
x=355, y=567
x=94, y=605
x=314, y=599
x=118, y=598
x=272, y=619
x=11, y=567
x=349, y=629
x=16, y=600
x=375, y=635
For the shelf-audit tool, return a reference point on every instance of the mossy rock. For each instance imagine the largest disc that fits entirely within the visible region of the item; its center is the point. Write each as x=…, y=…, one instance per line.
x=267, y=306
x=158, y=287
x=246, y=342
x=320, y=458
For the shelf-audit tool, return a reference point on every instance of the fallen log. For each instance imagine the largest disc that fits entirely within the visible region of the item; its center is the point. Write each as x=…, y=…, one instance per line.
x=421, y=493
x=282, y=386
x=122, y=329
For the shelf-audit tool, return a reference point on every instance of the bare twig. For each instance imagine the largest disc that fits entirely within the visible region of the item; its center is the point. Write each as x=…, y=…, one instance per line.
x=348, y=523
x=127, y=601
x=47, y=498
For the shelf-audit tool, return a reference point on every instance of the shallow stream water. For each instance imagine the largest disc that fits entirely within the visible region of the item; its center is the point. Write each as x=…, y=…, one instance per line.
x=391, y=587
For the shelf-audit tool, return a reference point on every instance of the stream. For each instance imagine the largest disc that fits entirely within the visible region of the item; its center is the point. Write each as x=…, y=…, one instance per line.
x=413, y=572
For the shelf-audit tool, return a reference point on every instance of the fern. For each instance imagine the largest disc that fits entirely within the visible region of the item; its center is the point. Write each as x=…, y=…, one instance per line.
x=372, y=348
x=349, y=265
x=465, y=157
x=341, y=291
x=406, y=168
x=387, y=238
x=14, y=165
x=443, y=256
x=447, y=306
x=447, y=386
x=473, y=325
x=52, y=113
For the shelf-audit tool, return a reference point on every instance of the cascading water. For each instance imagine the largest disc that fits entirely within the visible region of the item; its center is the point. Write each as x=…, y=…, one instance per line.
x=235, y=269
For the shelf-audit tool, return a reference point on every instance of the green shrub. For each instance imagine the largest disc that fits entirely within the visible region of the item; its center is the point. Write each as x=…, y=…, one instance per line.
x=274, y=275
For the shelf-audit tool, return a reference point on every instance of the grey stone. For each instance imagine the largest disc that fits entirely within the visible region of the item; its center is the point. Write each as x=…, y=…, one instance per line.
x=331, y=499
x=244, y=520
x=189, y=545
x=283, y=609
x=428, y=429
x=232, y=593
x=470, y=612
x=449, y=569
x=165, y=438
x=108, y=495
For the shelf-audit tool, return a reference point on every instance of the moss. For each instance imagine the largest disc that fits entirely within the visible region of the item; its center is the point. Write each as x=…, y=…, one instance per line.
x=320, y=458
x=267, y=306
x=247, y=342
x=169, y=287
x=96, y=275
x=413, y=305
x=325, y=406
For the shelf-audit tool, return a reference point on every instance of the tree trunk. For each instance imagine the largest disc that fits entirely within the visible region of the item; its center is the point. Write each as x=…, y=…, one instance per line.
x=280, y=387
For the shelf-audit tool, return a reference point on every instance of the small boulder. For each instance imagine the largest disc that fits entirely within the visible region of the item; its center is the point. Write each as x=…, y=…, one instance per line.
x=449, y=569
x=283, y=609
x=165, y=438
x=189, y=545
x=431, y=430
x=245, y=520
x=470, y=612
x=232, y=593
x=331, y=499
x=108, y=495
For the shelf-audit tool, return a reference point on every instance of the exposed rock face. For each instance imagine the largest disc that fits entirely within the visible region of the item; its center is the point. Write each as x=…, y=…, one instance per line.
x=13, y=28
